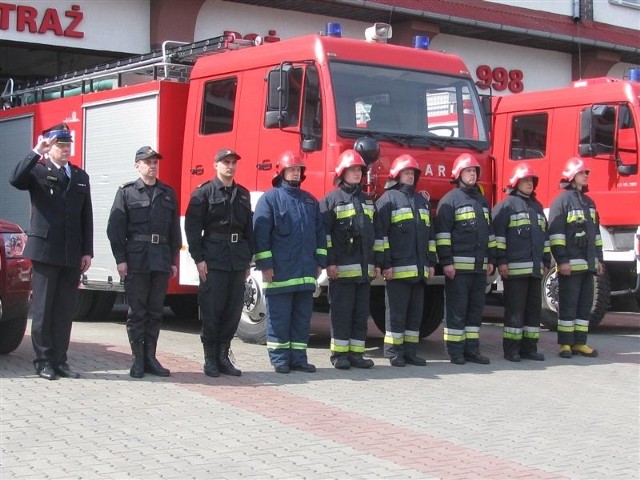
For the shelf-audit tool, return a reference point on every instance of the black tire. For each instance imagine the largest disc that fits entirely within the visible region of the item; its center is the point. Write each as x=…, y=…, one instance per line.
x=83, y=305
x=183, y=306
x=601, y=299
x=432, y=315
x=253, y=326
x=12, y=332
x=102, y=305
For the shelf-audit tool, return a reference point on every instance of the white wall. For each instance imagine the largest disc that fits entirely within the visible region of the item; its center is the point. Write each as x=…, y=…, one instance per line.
x=108, y=25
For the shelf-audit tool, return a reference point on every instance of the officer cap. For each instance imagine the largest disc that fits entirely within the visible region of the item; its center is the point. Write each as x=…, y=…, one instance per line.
x=226, y=152
x=146, y=152
x=60, y=131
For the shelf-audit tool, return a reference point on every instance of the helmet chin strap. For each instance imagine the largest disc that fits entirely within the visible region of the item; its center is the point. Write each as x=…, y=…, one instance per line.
x=292, y=183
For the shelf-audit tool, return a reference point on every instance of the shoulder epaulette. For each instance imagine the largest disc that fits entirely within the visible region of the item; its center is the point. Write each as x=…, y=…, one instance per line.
x=127, y=184
x=203, y=184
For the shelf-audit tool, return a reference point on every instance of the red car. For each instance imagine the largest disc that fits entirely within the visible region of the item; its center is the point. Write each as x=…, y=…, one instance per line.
x=15, y=286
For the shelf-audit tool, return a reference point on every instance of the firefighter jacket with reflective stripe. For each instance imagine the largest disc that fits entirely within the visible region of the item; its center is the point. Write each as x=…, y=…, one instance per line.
x=348, y=219
x=404, y=235
x=289, y=238
x=574, y=231
x=218, y=225
x=522, y=236
x=144, y=230
x=464, y=236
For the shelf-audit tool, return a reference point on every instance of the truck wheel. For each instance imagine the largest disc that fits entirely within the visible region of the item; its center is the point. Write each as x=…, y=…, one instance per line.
x=183, y=306
x=432, y=315
x=253, y=326
x=601, y=299
x=102, y=305
x=83, y=305
x=12, y=332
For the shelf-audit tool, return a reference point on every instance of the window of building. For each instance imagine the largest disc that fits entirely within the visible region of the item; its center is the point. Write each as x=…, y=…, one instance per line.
x=626, y=3
x=218, y=106
x=529, y=136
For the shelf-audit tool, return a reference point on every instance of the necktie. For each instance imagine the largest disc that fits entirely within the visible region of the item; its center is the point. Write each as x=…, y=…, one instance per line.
x=65, y=176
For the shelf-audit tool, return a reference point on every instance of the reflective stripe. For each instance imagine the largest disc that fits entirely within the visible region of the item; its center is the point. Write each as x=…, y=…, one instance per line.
x=329, y=241
x=578, y=265
x=575, y=216
x=519, y=219
x=408, y=271
x=520, y=268
x=464, y=213
x=542, y=222
x=298, y=346
x=443, y=239
x=582, y=325
x=401, y=214
x=368, y=211
x=393, y=338
x=356, y=343
x=290, y=283
x=411, y=336
x=340, y=346
x=472, y=332
x=485, y=210
x=345, y=211
x=531, y=332
x=378, y=246
x=263, y=255
x=424, y=216
x=349, y=271
x=454, y=335
x=464, y=263
x=278, y=345
x=501, y=243
x=512, y=333
x=557, y=239
x=566, y=326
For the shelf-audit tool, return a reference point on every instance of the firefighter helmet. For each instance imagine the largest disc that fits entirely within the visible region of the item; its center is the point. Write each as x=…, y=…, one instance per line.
x=465, y=160
x=521, y=171
x=287, y=160
x=573, y=166
x=402, y=162
x=348, y=158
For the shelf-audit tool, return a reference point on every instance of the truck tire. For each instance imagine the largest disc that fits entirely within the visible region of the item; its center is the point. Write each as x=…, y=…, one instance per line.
x=183, y=306
x=433, y=309
x=12, y=332
x=83, y=305
x=253, y=326
x=601, y=299
x=102, y=305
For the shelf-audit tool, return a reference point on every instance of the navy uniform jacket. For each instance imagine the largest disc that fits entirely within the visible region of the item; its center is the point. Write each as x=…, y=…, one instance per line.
x=218, y=225
x=135, y=217
x=290, y=238
x=61, y=229
x=522, y=236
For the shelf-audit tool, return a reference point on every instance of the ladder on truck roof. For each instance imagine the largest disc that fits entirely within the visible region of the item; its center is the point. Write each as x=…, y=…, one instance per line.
x=173, y=62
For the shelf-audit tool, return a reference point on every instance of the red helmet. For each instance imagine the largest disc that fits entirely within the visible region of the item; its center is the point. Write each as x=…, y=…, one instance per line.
x=521, y=171
x=288, y=159
x=574, y=165
x=402, y=162
x=349, y=158
x=463, y=161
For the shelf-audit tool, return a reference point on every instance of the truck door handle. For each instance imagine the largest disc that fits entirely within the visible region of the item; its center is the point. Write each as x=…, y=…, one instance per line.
x=266, y=165
x=198, y=170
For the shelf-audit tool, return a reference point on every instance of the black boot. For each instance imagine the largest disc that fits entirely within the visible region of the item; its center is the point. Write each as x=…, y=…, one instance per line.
x=137, y=369
x=224, y=364
x=210, y=367
x=151, y=363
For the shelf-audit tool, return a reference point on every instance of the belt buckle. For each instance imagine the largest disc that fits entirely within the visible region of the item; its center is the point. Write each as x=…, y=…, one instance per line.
x=234, y=238
x=155, y=238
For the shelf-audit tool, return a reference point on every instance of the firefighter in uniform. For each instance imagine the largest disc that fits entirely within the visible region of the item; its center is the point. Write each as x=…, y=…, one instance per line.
x=576, y=245
x=60, y=244
x=466, y=251
x=220, y=236
x=144, y=232
x=406, y=255
x=348, y=218
x=291, y=253
x=523, y=257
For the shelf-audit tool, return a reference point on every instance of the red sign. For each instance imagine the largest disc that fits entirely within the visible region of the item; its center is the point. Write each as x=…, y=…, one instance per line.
x=25, y=18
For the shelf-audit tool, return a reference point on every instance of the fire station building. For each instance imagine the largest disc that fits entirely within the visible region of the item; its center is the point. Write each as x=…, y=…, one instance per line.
x=511, y=45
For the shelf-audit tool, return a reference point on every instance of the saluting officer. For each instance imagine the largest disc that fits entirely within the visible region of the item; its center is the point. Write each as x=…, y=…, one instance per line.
x=144, y=231
x=60, y=244
x=219, y=230
x=348, y=219
x=406, y=254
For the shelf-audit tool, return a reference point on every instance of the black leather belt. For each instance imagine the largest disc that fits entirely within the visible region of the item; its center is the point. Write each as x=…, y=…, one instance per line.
x=153, y=238
x=231, y=237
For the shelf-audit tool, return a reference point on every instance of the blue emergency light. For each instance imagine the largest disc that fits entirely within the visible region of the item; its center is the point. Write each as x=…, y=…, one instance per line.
x=634, y=74
x=421, y=42
x=333, y=30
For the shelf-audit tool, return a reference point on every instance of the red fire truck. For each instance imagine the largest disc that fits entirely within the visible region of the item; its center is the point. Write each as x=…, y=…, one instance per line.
x=316, y=95
x=599, y=120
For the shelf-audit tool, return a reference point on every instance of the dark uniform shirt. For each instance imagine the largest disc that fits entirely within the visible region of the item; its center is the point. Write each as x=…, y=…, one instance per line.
x=218, y=225
x=144, y=228
x=61, y=230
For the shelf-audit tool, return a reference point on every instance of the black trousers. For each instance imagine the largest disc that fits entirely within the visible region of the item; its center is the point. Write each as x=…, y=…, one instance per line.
x=404, y=306
x=464, y=302
x=54, y=296
x=145, y=296
x=575, y=299
x=220, y=298
x=522, y=309
x=349, y=316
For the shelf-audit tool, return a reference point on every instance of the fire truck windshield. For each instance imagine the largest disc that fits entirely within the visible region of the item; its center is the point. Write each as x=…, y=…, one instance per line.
x=399, y=102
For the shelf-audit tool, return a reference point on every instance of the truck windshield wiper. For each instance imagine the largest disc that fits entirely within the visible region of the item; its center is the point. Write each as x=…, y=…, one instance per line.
x=463, y=141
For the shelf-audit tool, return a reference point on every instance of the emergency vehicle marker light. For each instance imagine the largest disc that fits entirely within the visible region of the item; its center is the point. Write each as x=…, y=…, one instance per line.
x=421, y=42
x=634, y=74
x=333, y=30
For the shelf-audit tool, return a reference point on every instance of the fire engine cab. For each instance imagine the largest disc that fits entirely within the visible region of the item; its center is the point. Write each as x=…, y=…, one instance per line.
x=315, y=95
x=597, y=119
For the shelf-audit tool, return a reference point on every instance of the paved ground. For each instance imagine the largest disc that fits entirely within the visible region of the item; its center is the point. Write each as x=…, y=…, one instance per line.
x=560, y=418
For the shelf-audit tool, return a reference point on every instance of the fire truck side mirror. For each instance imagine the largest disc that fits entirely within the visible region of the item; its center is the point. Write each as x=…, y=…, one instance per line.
x=277, y=97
